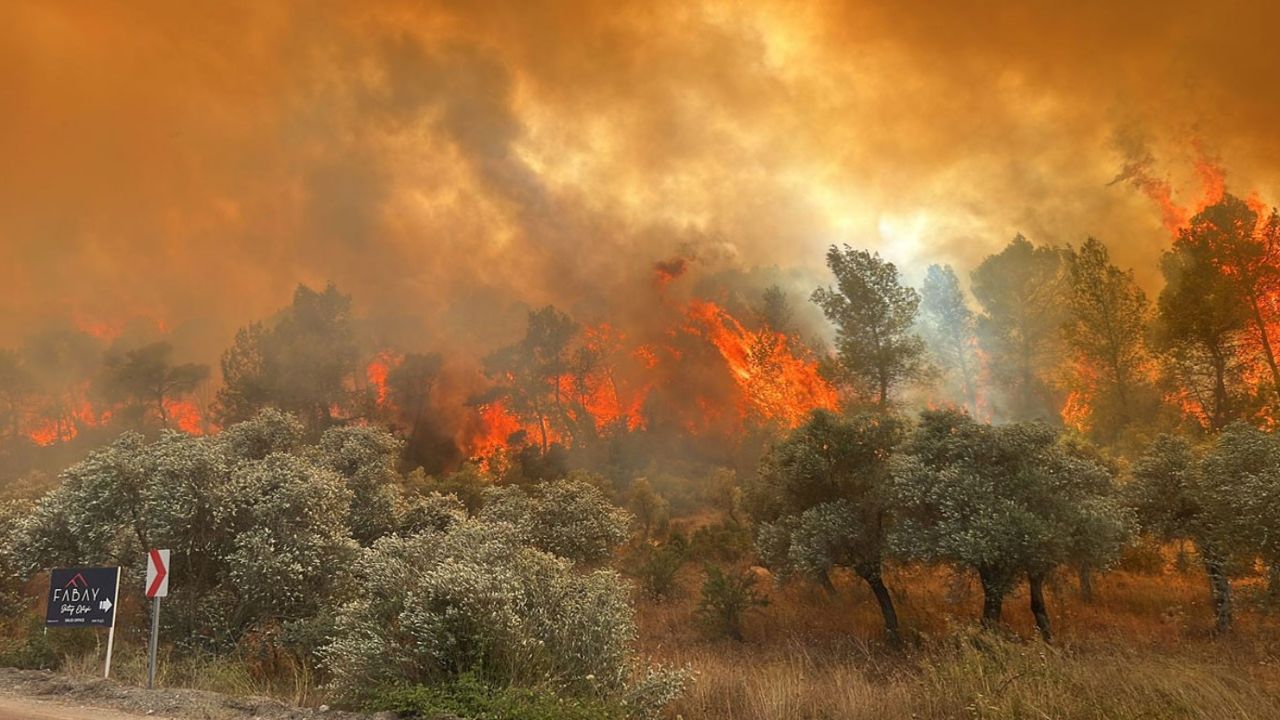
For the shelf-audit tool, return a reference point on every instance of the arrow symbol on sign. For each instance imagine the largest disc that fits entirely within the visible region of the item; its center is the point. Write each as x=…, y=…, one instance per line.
x=161, y=572
x=105, y=605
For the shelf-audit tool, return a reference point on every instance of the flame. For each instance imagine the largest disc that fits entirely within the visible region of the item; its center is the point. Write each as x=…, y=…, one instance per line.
x=378, y=370
x=770, y=378
x=775, y=384
x=185, y=416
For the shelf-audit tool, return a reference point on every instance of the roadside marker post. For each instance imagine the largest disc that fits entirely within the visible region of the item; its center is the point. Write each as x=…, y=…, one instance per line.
x=157, y=587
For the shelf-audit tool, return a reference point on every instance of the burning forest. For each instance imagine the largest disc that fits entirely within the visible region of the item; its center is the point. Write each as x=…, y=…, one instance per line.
x=639, y=361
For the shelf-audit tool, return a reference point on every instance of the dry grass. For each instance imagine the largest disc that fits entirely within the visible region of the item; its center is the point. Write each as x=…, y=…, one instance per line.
x=1143, y=649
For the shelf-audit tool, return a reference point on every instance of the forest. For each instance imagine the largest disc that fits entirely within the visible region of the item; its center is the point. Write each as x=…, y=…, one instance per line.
x=979, y=497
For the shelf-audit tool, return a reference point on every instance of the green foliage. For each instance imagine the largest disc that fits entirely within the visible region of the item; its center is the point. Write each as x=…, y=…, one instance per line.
x=873, y=313
x=144, y=380
x=949, y=330
x=1020, y=291
x=1004, y=501
x=298, y=363
x=475, y=598
x=1105, y=328
x=727, y=596
x=260, y=525
x=722, y=542
x=651, y=510
x=1223, y=497
x=570, y=518
x=469, y=697
x=657, y=569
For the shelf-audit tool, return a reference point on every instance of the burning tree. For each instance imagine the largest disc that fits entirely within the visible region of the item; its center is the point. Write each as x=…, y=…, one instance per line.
x=1105, y=329
x=146, y=381
x=301, y=363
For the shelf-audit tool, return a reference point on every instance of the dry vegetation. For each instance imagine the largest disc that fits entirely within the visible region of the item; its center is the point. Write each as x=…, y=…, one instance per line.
x=1143, y=649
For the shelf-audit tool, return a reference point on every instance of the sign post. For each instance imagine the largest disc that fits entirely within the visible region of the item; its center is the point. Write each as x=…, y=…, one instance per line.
x=84, y=597
x=157, y=587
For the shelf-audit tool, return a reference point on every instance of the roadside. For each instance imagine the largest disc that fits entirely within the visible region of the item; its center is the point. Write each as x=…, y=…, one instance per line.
x=44, y=695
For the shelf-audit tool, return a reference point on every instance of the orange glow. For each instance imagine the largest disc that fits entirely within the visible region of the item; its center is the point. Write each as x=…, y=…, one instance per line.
x=378, y=370
x=774, y=383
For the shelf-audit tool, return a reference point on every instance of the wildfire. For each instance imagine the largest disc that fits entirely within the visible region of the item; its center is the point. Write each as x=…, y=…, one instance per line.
x=379, y=369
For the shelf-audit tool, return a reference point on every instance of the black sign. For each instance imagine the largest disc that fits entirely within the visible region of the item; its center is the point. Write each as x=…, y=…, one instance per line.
x=82, y=597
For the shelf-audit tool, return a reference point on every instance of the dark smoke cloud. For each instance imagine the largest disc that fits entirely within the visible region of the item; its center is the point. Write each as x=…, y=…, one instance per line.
x=453, y=164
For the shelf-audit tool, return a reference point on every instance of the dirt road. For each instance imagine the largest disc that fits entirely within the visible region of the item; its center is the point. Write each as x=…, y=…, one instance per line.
x=40, y=695
x=15, y=708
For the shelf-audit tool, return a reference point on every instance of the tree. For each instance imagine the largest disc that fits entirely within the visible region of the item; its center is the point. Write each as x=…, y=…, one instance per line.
x=531, y=373
x=1220, y=497
x=1006, y=501
x=775, y=310
x=1247, y=256
x=1105, y=329
x=298, y=363
x=1020, y=291
x=949, y=330
x=873, y=314
x=409, y=387
x=820, y=501
x=146, y=380
x=1199, y=330
x=15, y=392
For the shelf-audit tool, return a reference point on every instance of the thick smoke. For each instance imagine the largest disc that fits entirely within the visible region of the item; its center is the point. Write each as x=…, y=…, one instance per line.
x=452, y=164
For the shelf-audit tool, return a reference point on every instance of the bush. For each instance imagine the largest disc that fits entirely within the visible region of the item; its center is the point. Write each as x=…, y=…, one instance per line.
x=474, y=598
x=570, y=518
x=469, y=697
x=724, y=542
x=726, y=598
x=657, y=570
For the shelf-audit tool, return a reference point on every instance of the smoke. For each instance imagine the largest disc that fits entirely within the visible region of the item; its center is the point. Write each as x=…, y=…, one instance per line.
x=453, y=164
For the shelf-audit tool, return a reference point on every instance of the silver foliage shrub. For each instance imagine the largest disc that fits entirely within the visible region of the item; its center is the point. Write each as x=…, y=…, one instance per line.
x=476, y=598
x=570, y=518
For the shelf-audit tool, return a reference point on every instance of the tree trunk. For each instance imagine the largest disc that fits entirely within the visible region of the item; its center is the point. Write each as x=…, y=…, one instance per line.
x=1265, y=337
x=1086, y=583
x=1038, y=609
x=874, y=579
x=824, y=579
x=992, y=600
x=1220, y=588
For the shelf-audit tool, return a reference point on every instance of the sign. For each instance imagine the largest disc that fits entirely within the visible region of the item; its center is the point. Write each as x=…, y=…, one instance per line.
x=158, y=573
x=82, y=597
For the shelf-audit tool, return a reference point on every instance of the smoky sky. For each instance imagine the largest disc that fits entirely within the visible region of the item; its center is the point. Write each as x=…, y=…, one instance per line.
x=451, y=164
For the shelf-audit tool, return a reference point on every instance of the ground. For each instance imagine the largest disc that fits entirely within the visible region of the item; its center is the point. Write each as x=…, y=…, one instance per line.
x=42, y=695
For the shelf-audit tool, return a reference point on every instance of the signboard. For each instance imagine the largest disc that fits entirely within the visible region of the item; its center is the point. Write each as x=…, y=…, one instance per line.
x=158, y=574
x=83, y=597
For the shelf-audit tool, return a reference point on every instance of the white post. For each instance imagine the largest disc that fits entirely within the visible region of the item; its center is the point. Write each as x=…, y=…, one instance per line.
x=155, y=641
x=111, y=634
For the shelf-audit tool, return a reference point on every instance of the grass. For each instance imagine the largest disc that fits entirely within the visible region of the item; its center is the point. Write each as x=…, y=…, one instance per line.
x=1143, y=649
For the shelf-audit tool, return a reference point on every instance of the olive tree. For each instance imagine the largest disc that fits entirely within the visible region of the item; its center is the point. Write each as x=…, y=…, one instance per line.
x=1223, y=497
x=1005, y=501
x=820, y=501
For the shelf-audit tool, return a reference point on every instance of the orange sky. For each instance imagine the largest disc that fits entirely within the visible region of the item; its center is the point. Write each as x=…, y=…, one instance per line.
x=451, y=163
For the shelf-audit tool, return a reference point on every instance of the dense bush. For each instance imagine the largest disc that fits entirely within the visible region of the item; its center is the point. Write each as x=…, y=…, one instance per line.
x=570, y=518
x=475, y=599
x=470, y=698
x=727, y=597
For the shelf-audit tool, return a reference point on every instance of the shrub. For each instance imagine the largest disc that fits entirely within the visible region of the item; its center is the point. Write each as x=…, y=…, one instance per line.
x=570, y=518
x=722, y=542
x=726, y=598
x=474, y=598
x=657, y=569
